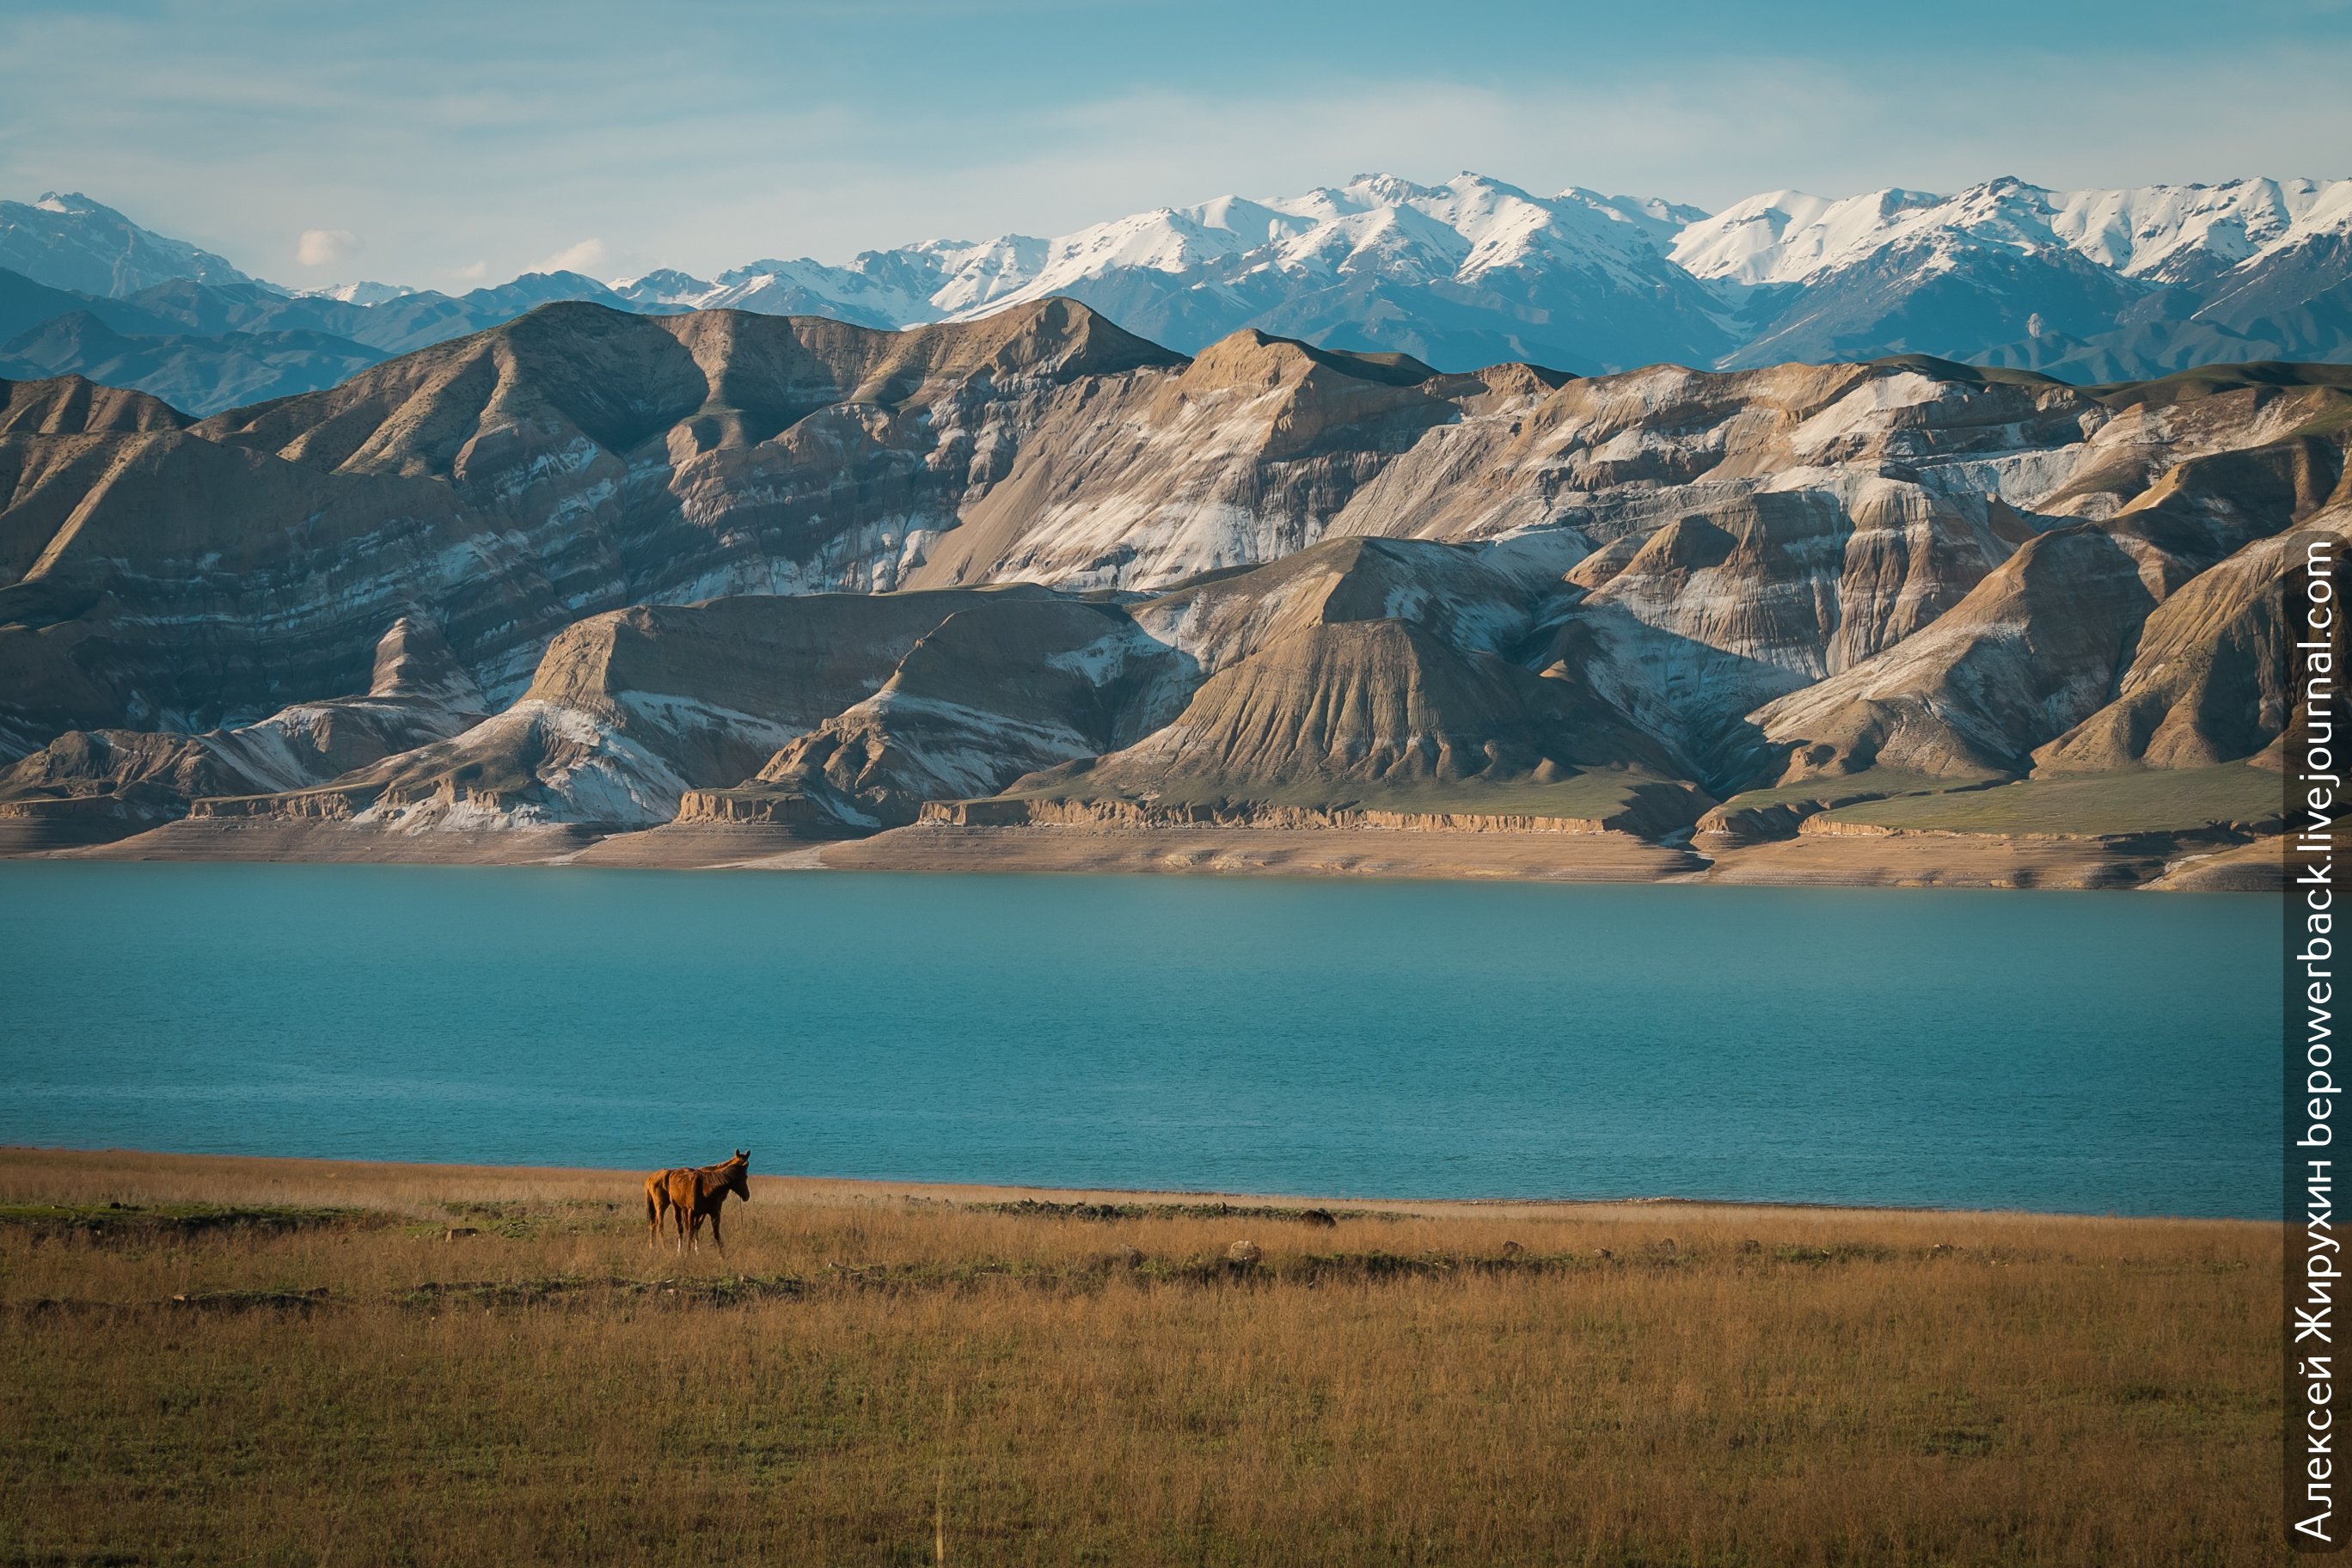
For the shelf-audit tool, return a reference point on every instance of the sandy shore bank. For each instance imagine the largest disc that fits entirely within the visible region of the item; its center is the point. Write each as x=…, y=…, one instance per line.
x=1921, y=860
x=2157, y=861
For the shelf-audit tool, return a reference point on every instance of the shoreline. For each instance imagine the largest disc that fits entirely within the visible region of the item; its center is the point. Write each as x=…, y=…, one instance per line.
x=307, y=1173
x=2168, y=862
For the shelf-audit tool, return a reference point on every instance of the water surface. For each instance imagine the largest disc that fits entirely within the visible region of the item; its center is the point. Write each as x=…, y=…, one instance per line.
x=2087, y=1052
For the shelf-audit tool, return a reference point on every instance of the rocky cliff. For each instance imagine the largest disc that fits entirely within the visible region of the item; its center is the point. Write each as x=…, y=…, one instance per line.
x=736, y=567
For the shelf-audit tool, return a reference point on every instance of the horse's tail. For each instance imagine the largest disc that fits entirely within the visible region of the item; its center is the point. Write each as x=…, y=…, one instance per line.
x=655, y=1192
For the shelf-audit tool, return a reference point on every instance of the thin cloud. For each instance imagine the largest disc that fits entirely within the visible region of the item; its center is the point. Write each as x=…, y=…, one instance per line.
x=583, y=256
x=326, y=246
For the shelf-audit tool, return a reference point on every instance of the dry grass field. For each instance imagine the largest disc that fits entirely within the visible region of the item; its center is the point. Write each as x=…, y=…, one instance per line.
x=280, y=1362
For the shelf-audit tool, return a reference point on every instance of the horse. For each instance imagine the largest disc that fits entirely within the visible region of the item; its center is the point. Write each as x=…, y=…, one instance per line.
x=693, y=1194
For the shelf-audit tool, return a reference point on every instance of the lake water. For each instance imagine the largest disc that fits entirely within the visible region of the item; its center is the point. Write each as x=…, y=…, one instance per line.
x=2087, y=1052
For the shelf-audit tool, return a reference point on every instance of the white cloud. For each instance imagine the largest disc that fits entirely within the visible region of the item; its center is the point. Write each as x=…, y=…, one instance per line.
x=472, y=272
x=326, y=246
x=584, y=257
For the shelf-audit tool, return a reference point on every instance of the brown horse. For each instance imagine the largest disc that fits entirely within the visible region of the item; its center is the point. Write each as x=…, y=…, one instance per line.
x=693, y=1194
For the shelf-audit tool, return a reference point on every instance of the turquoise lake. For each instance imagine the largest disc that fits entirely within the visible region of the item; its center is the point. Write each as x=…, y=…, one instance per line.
x=2057, y=1051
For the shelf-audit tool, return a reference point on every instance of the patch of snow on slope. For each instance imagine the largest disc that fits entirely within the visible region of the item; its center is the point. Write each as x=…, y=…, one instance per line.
x=687, y=715
x=1105, y=659
x=955, y=750
x=1785, y=236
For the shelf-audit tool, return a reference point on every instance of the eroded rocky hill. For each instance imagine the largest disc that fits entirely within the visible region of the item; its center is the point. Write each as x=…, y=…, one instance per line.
x=610, y=571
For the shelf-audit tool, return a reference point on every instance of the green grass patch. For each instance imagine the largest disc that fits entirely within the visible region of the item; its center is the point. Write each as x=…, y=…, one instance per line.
x=2213, y=380
x=518, y=1221
x=2088, y=805
x=100, y=1220
x=2332, y=382
x=2335, y=417
x=1874, y=782
x=1952, y=370
x=1044, y=1208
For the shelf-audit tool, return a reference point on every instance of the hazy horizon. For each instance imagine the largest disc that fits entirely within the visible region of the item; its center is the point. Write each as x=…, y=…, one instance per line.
x=440, y=146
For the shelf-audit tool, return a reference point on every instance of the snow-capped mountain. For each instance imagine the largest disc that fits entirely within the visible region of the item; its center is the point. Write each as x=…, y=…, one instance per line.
x=2087, y=285
x=359, y=294
x=68, y=241
x=2090, y=284
x=2154, y=236
x=880, y=288
x=1377, y=224
x=2096, y=284
x=2170, y=234
x=1473, y=269
x=1470, y=272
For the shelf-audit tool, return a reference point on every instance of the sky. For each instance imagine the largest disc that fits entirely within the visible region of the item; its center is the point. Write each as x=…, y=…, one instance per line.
x=444, y=142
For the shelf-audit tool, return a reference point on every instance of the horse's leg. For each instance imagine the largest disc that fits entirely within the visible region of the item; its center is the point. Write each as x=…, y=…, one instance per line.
x=652, y=1220
x=716, y=1241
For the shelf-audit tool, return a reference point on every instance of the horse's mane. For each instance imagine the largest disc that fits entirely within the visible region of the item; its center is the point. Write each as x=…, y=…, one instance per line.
x=719, y=1172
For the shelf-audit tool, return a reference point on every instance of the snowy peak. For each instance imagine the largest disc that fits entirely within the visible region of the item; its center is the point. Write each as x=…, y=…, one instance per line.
x=1376, y=227
x=2168, y=234
x=363, y=294
x=662, y=286
x=68, y=241
x=1787, y=237
x=1655, y=216
x=2186, y=233
x=1391, y=190
x=879, y=288
x=1493, y=225
x=973, y=275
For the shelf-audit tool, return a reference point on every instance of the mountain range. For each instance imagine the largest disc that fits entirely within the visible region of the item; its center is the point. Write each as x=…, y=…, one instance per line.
x=2089, y=286
x=594, y=573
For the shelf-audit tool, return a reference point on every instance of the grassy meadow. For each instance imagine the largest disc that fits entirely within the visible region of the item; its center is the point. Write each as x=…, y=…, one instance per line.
x=2149, y=800
x=279, y=1361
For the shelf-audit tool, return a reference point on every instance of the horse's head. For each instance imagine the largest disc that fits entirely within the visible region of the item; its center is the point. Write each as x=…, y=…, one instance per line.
x=739, y=1174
